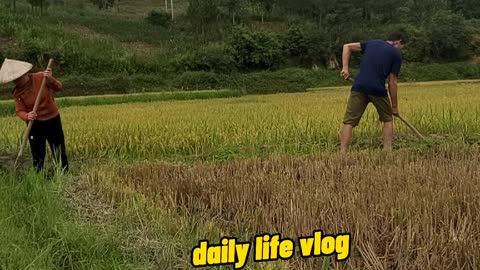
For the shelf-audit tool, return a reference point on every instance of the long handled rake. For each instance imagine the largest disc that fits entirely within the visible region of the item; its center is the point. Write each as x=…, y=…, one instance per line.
x=412, y=128
x=30, y=123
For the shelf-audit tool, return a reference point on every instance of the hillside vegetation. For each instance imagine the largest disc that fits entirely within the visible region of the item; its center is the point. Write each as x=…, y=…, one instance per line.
x=265, y=46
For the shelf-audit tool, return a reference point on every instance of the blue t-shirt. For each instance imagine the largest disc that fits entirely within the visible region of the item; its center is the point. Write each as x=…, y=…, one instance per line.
x=379, y=60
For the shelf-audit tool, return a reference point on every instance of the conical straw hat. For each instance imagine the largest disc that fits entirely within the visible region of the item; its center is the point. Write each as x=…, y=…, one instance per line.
x=13, y=69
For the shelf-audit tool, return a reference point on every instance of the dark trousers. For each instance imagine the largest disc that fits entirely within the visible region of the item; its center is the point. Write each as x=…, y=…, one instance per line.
x=51, y=131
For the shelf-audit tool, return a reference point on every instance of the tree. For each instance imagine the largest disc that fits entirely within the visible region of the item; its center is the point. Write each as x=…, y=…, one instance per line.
x=306, y=45
x=203, y=12
x=158, y=18
x=233, y=8
x=422, y=9
x=254, y=50
x=448, y=36
x=265, y=6
x=171, y=11
x=468, y=8
x=39, y=4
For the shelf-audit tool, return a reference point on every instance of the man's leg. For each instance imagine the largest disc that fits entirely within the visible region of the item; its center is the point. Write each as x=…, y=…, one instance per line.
x=346, y=137
x=56, y=140
x=384, y=109
x=37, y=139
x=357, y=103
x=387, y=135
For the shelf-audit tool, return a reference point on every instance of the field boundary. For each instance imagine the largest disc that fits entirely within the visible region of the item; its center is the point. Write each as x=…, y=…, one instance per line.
x=7, y=108
x=429, y=83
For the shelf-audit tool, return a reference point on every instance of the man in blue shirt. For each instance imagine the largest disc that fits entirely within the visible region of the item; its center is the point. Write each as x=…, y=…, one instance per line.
x=381, y=60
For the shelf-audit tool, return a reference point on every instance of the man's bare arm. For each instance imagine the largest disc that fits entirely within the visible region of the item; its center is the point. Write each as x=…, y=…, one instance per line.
x=393, y=90
x=347, y=52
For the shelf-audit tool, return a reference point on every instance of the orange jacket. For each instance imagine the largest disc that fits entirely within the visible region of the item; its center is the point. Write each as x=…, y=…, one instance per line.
x=25, y=98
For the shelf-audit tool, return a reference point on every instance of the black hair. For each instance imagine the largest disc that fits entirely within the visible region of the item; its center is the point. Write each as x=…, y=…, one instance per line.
x=398, y=37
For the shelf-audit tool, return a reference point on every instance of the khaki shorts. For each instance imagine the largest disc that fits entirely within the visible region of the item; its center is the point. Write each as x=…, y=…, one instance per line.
x=357, y=103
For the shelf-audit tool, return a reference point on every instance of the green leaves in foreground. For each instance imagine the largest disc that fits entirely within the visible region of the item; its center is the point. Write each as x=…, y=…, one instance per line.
x=37, y=234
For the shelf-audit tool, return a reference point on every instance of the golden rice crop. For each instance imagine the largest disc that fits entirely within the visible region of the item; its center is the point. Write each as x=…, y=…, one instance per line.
x=252, y=125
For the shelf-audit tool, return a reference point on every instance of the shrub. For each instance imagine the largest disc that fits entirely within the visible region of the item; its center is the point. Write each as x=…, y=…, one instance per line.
x=82, y=85
x=287, y=80
x=449, y=37
x=436, y=72
x=158, y=18
x=211, y=58
x=103, y=4
x=305, y=46
x=417, y=49
x=254, y=50
x=200, y=80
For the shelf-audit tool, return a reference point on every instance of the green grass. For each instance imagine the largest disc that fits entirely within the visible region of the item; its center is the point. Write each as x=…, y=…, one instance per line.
x=39, y=233
x=44, y=228
x=120, y=28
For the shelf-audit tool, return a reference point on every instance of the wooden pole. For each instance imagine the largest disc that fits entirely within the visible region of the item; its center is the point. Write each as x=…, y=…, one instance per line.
x=30, y=123
x=419, y=135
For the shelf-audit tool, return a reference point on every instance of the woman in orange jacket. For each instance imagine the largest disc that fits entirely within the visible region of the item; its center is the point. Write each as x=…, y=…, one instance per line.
x=47, y=125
